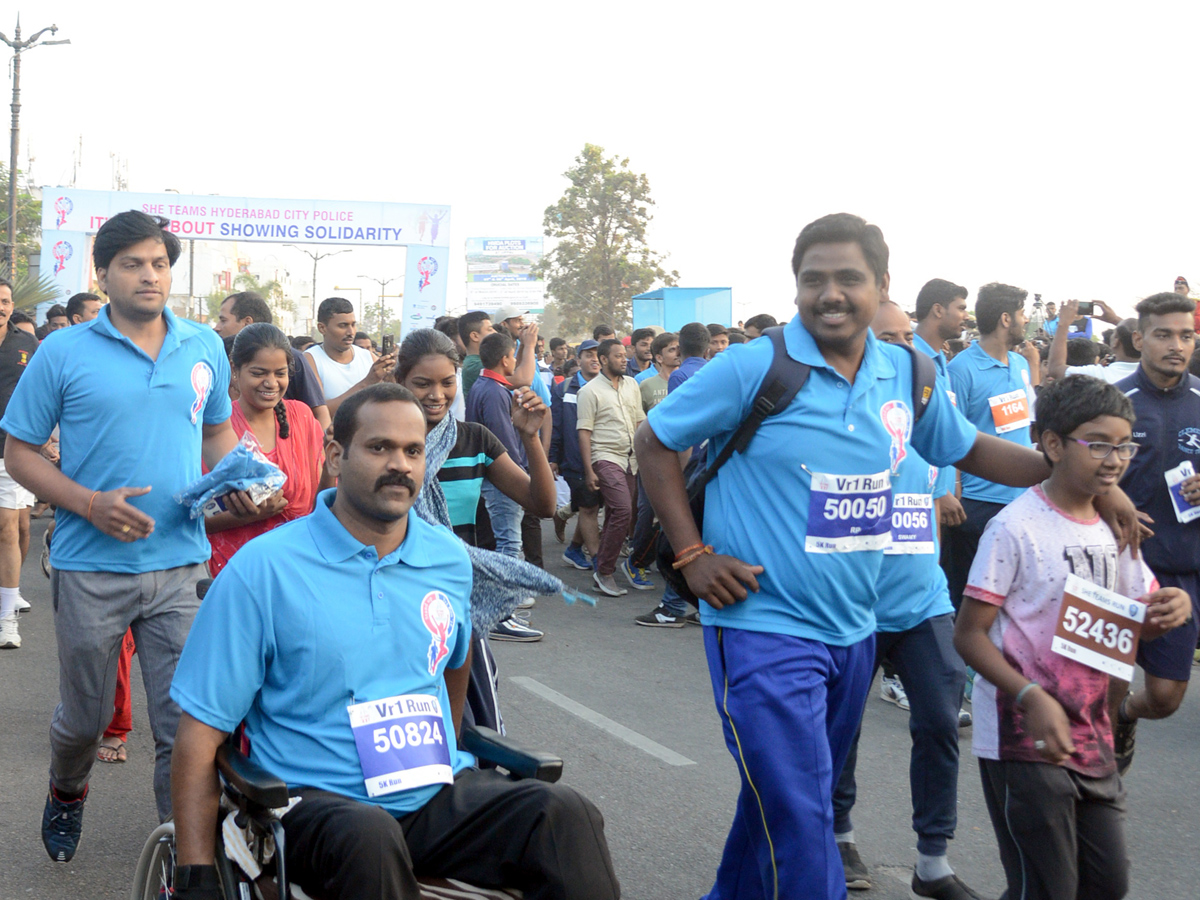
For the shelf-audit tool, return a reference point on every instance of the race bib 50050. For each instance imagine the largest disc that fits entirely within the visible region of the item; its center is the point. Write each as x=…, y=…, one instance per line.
x=401, y=743
x=912, y=524
x=849, y=512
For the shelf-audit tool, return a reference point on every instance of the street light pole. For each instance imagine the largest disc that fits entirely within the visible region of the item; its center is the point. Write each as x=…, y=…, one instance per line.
x=18, y=46
x=383, y=283
x=316, y=257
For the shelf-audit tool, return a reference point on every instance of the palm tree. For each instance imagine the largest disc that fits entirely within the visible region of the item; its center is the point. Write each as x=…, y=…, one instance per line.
x=271, y=291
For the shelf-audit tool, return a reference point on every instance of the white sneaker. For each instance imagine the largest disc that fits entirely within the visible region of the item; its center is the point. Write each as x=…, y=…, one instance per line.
x=607, y=585
x=9, y=639
x=22, y=604
x=527, y=603
x=892, y=691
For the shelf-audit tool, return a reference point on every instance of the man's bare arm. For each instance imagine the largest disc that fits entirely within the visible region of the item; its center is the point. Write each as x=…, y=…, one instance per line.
x=195, y=791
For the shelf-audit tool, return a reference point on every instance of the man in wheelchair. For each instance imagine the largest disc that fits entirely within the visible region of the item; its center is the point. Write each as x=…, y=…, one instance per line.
x=342, y=641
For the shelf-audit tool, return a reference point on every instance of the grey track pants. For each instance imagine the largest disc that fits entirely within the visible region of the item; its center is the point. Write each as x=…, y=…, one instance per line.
x=92, y=610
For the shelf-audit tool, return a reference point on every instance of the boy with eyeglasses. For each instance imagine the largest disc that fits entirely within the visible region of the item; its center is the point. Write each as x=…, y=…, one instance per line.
x=1042, y=729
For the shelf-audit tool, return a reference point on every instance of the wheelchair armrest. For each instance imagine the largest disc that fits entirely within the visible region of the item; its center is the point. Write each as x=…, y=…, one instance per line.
x=496, y=748
x=254, y=782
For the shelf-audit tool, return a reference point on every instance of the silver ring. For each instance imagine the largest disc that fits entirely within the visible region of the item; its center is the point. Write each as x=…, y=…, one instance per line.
x=1039, y=745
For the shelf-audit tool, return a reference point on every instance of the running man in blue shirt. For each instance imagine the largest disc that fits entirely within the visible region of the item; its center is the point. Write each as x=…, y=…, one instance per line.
x=790, y=636
x=140, y=397
x=332, y=633
x=915, y=633
x=993, y=388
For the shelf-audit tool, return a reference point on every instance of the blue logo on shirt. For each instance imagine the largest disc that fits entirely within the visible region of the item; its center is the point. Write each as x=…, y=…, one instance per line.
x=1189, y=440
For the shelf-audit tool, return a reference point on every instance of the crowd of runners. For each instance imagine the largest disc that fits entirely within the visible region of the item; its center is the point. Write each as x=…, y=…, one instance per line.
x=1001, y=512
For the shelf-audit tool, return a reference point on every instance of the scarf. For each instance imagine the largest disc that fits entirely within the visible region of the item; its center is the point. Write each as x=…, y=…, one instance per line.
x=500, y=582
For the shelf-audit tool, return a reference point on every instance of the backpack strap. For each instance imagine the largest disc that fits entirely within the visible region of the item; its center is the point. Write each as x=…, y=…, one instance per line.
x=924, y=381
x=779, y=387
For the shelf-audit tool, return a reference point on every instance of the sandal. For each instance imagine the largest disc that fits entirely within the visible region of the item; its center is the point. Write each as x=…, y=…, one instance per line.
x=111, y=750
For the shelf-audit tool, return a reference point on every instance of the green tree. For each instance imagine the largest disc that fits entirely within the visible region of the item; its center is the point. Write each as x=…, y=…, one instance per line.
x=29, y=223
x=370, y=322
x=602, y=258
x=271, y=291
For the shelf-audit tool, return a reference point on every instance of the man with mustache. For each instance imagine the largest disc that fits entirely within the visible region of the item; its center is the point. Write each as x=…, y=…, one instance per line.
x=1166, y=400
x=354, y=622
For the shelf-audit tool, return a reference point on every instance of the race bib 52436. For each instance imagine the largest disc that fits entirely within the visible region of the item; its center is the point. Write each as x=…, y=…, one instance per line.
x=849, y=512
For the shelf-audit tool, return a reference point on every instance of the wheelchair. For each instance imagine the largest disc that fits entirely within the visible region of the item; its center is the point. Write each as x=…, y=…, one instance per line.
x=251, y=795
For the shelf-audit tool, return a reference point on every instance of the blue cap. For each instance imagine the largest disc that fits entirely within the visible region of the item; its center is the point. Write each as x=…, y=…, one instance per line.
x=589, y=344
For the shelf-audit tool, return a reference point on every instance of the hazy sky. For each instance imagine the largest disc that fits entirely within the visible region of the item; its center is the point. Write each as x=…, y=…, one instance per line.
x=1053, y=146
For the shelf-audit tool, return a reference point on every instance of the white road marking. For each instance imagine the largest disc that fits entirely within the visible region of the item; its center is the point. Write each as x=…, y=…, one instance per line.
x=616, y=729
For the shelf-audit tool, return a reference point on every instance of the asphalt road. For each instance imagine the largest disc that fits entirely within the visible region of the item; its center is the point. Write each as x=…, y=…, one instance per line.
x=631, y=712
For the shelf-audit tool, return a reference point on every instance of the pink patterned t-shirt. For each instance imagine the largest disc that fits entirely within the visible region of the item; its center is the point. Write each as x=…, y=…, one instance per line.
x=1024, y=557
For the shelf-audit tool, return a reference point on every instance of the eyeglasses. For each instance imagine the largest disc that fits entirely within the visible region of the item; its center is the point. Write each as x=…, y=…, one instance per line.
x=1101, y=449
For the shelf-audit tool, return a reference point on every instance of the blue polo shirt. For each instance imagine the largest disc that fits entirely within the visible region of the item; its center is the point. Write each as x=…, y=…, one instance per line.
x=976, y=376
x=306, y=621
x=912, y=586
x=686, y=370
x=649, y=372
x=126, y=420
x=758, y=507
x=946, y=474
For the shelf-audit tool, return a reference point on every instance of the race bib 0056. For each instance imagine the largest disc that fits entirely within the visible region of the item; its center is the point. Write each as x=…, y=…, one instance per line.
x=847, y=513
x=912, y=524
x=401, y=743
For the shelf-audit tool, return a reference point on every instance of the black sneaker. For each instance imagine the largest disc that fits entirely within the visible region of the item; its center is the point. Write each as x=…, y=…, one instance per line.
x=950, y=887
x=692, y=618
x=661, y=617
x=1124, y=739
x=857, y=876
x=62, y=824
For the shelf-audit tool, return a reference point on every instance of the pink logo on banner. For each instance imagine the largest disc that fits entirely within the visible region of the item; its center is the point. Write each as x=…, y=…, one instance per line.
x=63, y=206
x=438, y=616
x=897, y=419
x=426, y=267
x=202, y=379
x=62, y=252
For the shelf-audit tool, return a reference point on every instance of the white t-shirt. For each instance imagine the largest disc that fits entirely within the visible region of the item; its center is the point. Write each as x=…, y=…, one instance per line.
x=1112, y=373
x=1021, y=566
x=337, y=378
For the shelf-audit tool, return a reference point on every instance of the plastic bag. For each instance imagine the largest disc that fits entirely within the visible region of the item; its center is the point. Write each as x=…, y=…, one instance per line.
x=243, y=469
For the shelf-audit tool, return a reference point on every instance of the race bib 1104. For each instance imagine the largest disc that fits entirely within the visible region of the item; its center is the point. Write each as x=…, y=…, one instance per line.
x=848, y=513
x=402, y=743
x=912, y=524
x=1099, y=628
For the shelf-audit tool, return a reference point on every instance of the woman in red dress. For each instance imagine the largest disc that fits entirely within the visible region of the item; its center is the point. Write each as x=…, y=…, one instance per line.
x=285, y=431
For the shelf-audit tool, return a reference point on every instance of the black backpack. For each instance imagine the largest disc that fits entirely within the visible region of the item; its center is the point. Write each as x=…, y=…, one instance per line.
x=783, y=381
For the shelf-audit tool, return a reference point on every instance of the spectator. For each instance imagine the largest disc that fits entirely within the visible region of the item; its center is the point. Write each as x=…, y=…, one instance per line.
x=1121, y=343
x=566, y=460
x=448, y=325
x=756, y=325
x=362, y=339
x=603, y=333
x=472, y=329
x=1082, y=352
x=655, y=381
x=610, y=410
x=641, y=359
x=558, y=355
x=302, y=342
x=284, y=430
x=16, y=350
x=23, y=322
x=718, y=339
x=245, y=308
x=342, y=366
x=57, y=318
x=83, y=308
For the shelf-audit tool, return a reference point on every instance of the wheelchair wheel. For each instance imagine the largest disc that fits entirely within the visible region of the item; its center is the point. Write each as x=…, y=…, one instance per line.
x=156, y=865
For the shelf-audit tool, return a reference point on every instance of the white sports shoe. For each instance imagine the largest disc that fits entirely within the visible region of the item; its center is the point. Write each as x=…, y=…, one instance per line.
x=22, y=604
x=9, y=639
x=892, y=691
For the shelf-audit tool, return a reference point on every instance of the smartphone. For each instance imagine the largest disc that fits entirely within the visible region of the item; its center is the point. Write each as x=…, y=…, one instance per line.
x=1087, y=307
x=389, y=344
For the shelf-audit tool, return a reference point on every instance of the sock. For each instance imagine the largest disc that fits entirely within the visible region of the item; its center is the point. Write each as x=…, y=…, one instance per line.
x=8, y=601
x=931, y=868
x=845, y=838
